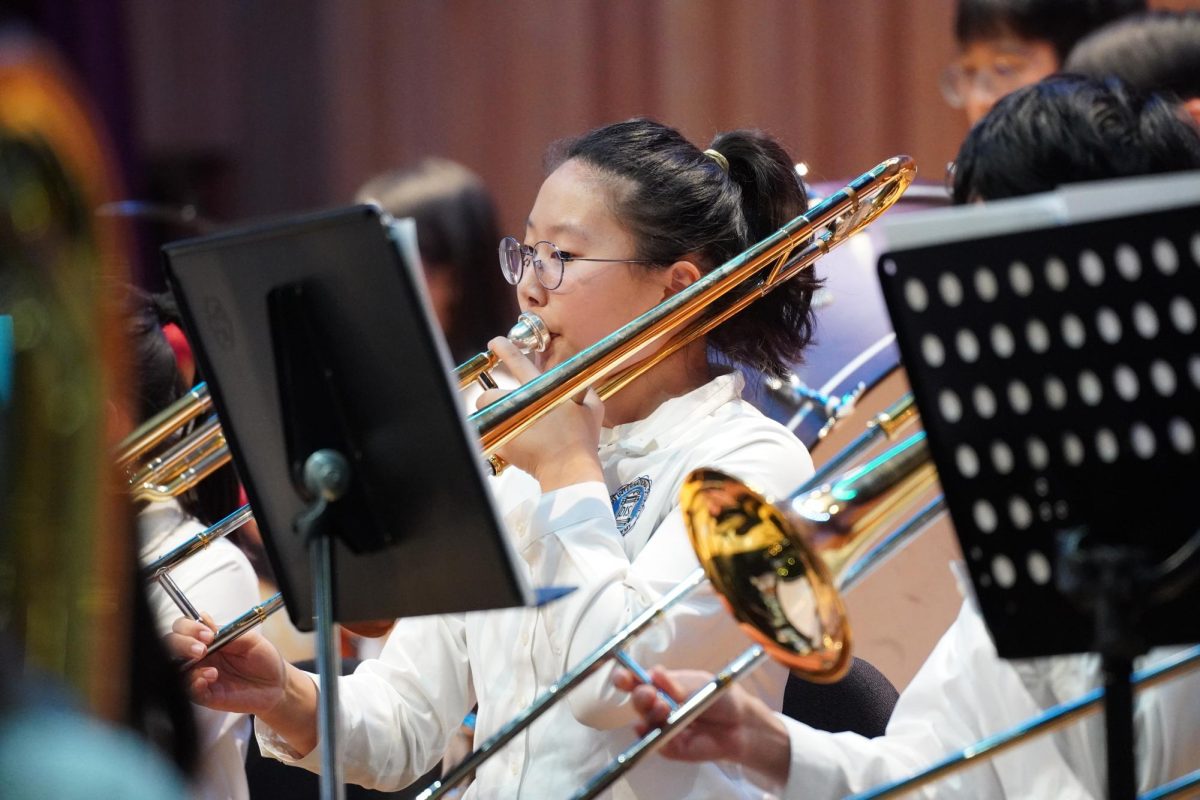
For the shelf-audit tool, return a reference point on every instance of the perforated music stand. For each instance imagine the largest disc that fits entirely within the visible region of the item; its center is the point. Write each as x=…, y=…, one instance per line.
x=1057, y=370
x=333, y=392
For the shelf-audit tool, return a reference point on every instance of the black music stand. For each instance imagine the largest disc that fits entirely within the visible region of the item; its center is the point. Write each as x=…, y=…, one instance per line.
x=1057, y=370
x=333, y=391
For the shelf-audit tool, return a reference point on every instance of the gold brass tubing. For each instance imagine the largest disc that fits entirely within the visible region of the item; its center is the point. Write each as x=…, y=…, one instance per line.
x=895, y=416
x=201, y=464
x=866, y=503
x=154, y=430
x=472, y=368
x=793, y=263
x=529, y=335
x=171, y=462
x=887, y=424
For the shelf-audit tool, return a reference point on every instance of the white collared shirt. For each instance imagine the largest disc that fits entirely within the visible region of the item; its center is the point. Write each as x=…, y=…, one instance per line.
x=398, y=712
x=965, y=692
x=220, y=581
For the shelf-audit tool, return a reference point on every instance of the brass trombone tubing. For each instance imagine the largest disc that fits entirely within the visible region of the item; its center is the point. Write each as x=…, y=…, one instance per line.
x=158, y=571
x=1047, y=721
x=506, y=418
x=174, y=461
x=529, y=334
x=154, y=430
x=613, y=647
x=887, y=424
x=200, y=463
x=746, y=662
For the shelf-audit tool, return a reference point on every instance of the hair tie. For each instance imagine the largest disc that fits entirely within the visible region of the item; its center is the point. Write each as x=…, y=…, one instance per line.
x=722, y=162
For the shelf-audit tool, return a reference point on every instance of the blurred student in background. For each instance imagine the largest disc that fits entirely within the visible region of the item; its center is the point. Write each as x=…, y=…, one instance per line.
x=1158, y=51
x=457, y=235
x=1006, y=44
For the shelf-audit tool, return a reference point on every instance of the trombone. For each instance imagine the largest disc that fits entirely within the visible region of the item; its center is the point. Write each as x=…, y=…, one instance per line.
x=836, y=529
x=684, y=317
x=761, y=567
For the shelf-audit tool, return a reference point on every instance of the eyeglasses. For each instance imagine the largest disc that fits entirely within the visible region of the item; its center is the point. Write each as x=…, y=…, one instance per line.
x=515, y=256
x=1004, y=74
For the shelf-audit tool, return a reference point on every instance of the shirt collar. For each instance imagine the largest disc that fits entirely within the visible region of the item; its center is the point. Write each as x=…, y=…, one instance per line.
x=645, y=435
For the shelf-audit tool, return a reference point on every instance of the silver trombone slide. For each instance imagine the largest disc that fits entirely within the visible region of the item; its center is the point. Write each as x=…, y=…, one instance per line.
x=159, y=571
x=610, y=649
x=886, y=424
x=749, y=660
x=1047, y=721
x=1053, y=718
x=1174, y=788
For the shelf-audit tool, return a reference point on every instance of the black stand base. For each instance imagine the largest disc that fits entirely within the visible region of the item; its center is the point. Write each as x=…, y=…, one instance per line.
x=1118, y=727
x=1113, y=582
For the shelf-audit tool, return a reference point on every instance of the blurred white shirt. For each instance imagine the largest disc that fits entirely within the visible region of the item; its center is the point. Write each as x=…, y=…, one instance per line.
x=220, y=581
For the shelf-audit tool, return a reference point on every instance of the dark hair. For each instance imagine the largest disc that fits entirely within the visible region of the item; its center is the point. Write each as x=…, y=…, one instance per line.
x=1060, y=22
x=679, y=202
x=158, y=383
x=1158, y=51
x=1067, y=129
x=456, y=230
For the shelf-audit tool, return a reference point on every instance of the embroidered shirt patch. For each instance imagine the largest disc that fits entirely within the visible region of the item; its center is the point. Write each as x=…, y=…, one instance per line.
x=628, y=502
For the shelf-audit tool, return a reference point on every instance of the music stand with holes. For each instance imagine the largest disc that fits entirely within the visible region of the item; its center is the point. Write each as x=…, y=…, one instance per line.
x=1057, y=370
x=334, y=394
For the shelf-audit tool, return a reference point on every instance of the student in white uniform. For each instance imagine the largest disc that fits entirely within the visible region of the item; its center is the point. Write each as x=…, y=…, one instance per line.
x=630, y=214
x=218, y=579
x=964, y=691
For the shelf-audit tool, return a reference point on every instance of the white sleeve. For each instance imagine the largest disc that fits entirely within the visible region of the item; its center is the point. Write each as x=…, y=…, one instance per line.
x=575, y=542
x=396, y=713
x=1166, y=733
x=962, y=693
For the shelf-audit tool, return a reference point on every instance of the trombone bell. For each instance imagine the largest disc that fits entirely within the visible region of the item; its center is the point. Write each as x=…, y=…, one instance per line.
x=780, y=592
x=779, y=566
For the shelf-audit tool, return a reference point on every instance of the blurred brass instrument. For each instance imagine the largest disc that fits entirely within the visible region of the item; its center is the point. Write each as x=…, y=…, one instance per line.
x=64, y=575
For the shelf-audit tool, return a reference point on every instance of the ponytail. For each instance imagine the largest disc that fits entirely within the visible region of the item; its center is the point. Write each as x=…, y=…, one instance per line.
x=680, y=202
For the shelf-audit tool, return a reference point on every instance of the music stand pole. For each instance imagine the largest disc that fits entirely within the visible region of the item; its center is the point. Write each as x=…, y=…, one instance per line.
x=327, y=477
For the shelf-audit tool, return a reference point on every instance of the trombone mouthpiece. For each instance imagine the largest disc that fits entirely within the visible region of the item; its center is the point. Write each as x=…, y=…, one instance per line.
x=529, y=334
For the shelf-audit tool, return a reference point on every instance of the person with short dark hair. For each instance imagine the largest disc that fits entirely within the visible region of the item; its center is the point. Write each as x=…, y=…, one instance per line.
x=1157, y=51
x=1006, y=44
x=630, y=214
x=1070, y=129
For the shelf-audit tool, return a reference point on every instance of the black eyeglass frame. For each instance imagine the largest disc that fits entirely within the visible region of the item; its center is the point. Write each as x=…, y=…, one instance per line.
x=529, y=254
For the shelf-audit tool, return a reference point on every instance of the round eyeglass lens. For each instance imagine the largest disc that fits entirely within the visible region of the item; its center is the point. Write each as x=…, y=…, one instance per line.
x=511, y=259
x=550, y=268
